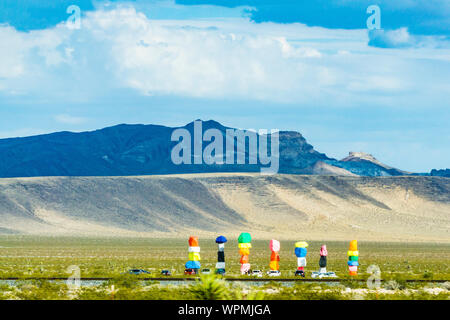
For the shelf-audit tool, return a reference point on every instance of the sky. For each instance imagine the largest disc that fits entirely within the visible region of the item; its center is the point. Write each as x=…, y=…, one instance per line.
x=310, y=66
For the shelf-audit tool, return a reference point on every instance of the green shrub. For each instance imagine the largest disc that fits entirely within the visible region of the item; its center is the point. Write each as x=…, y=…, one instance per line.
x=210, y=287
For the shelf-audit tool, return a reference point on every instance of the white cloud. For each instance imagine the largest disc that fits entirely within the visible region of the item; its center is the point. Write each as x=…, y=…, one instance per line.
x=68, y=119
x=401, y=38
x=11, y=62
x=217, y=59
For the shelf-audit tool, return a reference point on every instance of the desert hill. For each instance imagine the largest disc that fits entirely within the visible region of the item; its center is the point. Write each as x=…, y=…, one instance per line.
x=285, y=206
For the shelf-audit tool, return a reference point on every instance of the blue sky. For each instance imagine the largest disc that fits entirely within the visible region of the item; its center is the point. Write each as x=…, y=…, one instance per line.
x=310, y=66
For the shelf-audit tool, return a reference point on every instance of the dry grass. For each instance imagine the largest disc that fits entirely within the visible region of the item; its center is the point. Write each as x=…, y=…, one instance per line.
x=31, y=256
x=25, y=256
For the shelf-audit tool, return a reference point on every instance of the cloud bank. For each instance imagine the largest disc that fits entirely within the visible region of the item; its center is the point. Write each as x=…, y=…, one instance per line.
x=121, y=49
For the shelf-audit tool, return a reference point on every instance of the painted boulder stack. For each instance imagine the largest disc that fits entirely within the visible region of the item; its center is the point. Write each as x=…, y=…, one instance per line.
x=244, y=241
x=275, y=256
x=194, y=254
x=323, y=273
x=220, y=265
x=323, y=259
x=300, y=252
x=353, y=255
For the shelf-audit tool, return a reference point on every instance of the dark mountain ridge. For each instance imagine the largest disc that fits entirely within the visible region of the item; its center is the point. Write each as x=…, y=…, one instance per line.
x=440, y=173
x=139, y=149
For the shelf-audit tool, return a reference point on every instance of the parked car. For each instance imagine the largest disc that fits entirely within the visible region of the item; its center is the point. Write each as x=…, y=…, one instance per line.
x=300, y=273
x=166, y=273
x=190, y=271
x=274, y=273
x=206, y=271
x=323, y=275
x=256, y=273
x=138, y=271
x=220, y=271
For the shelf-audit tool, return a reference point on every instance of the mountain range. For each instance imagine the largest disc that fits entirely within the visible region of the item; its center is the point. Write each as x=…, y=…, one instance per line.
x=121, y=181
x=124, y=150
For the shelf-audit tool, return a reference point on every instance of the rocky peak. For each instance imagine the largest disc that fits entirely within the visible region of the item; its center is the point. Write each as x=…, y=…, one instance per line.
x=362, y=156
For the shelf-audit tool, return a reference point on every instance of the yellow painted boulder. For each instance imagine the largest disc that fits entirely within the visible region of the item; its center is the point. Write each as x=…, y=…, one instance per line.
x=194, y=256
x=301, y=244
x=353, y=245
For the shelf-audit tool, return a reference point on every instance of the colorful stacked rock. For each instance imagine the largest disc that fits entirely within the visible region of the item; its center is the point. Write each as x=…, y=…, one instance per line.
x=194, y=254
x=323, y=273
x=274, y=257
x=220, y=265
x=353, y=258
x=245, y=240
x=323, y=259
x=300, y=252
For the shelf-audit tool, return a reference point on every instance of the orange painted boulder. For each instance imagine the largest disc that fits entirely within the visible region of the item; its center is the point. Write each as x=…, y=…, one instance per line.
x=244, y=259
x=193, y=241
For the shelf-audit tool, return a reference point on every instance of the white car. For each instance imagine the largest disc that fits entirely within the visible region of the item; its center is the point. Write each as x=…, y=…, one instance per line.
x=323, y=275
x=256, y=273
x=274, y=273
